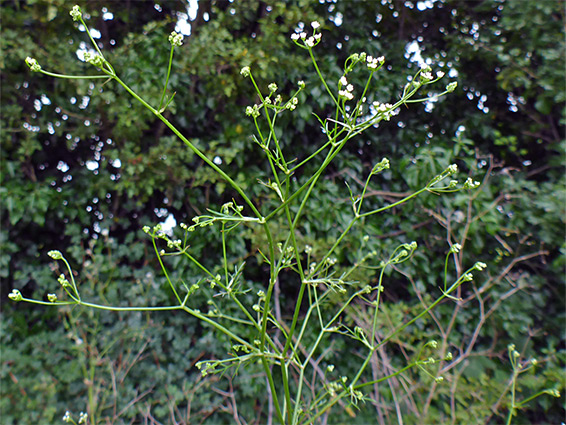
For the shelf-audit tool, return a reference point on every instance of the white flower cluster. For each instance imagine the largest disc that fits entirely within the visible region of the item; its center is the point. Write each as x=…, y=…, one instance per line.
x=452, y=169
x=311, y=41
x=385, y=109
x=426, y=73
x=83, y=417
x=373, y=63
x=33, y=65
x=63, y=281
x=245, y=71
x=455, y=249
x=76, y=13
x=253, y=111
x=480, y=266
x=176, y=39
x=426, y=76
x=15, y=295
x=470, y=184
x=345, y=89
x=94, y=59
x=292, y=104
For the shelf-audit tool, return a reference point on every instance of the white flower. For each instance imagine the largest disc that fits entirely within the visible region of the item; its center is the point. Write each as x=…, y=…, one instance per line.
x=346, y=94
x=386, y=109
x=303, y=35
x=33, y=65
x=295, y=36
x=310, y=42
x=15, y=295
x=83, y=417
x=245, y=71
x=315, y=25
x=480, y=266
x=176, y=39
x=372, y=62
x=301, y=84
x=76, y=13
x=439, y=74
x=452, y=169
x=470, y=184
x=343, y=81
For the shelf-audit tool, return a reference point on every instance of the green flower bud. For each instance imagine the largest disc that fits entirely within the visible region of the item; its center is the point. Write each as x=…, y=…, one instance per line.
x=380, y=166
x=454, y=249
x=451, y=87
x=452, y=169
x=56, y=255
x=33, y=65
x=15, y=295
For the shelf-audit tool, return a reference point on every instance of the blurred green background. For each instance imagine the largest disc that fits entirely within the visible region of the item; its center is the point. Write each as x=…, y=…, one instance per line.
x=84, y=167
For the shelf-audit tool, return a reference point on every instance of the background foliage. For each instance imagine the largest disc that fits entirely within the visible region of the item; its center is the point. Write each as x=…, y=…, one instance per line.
x=83, y=168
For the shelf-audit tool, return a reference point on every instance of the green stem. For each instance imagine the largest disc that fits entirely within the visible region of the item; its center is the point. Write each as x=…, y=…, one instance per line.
x=273, y=391
x=165, y=271
x=197, y=151
x=166, y=78
x=73, y=77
